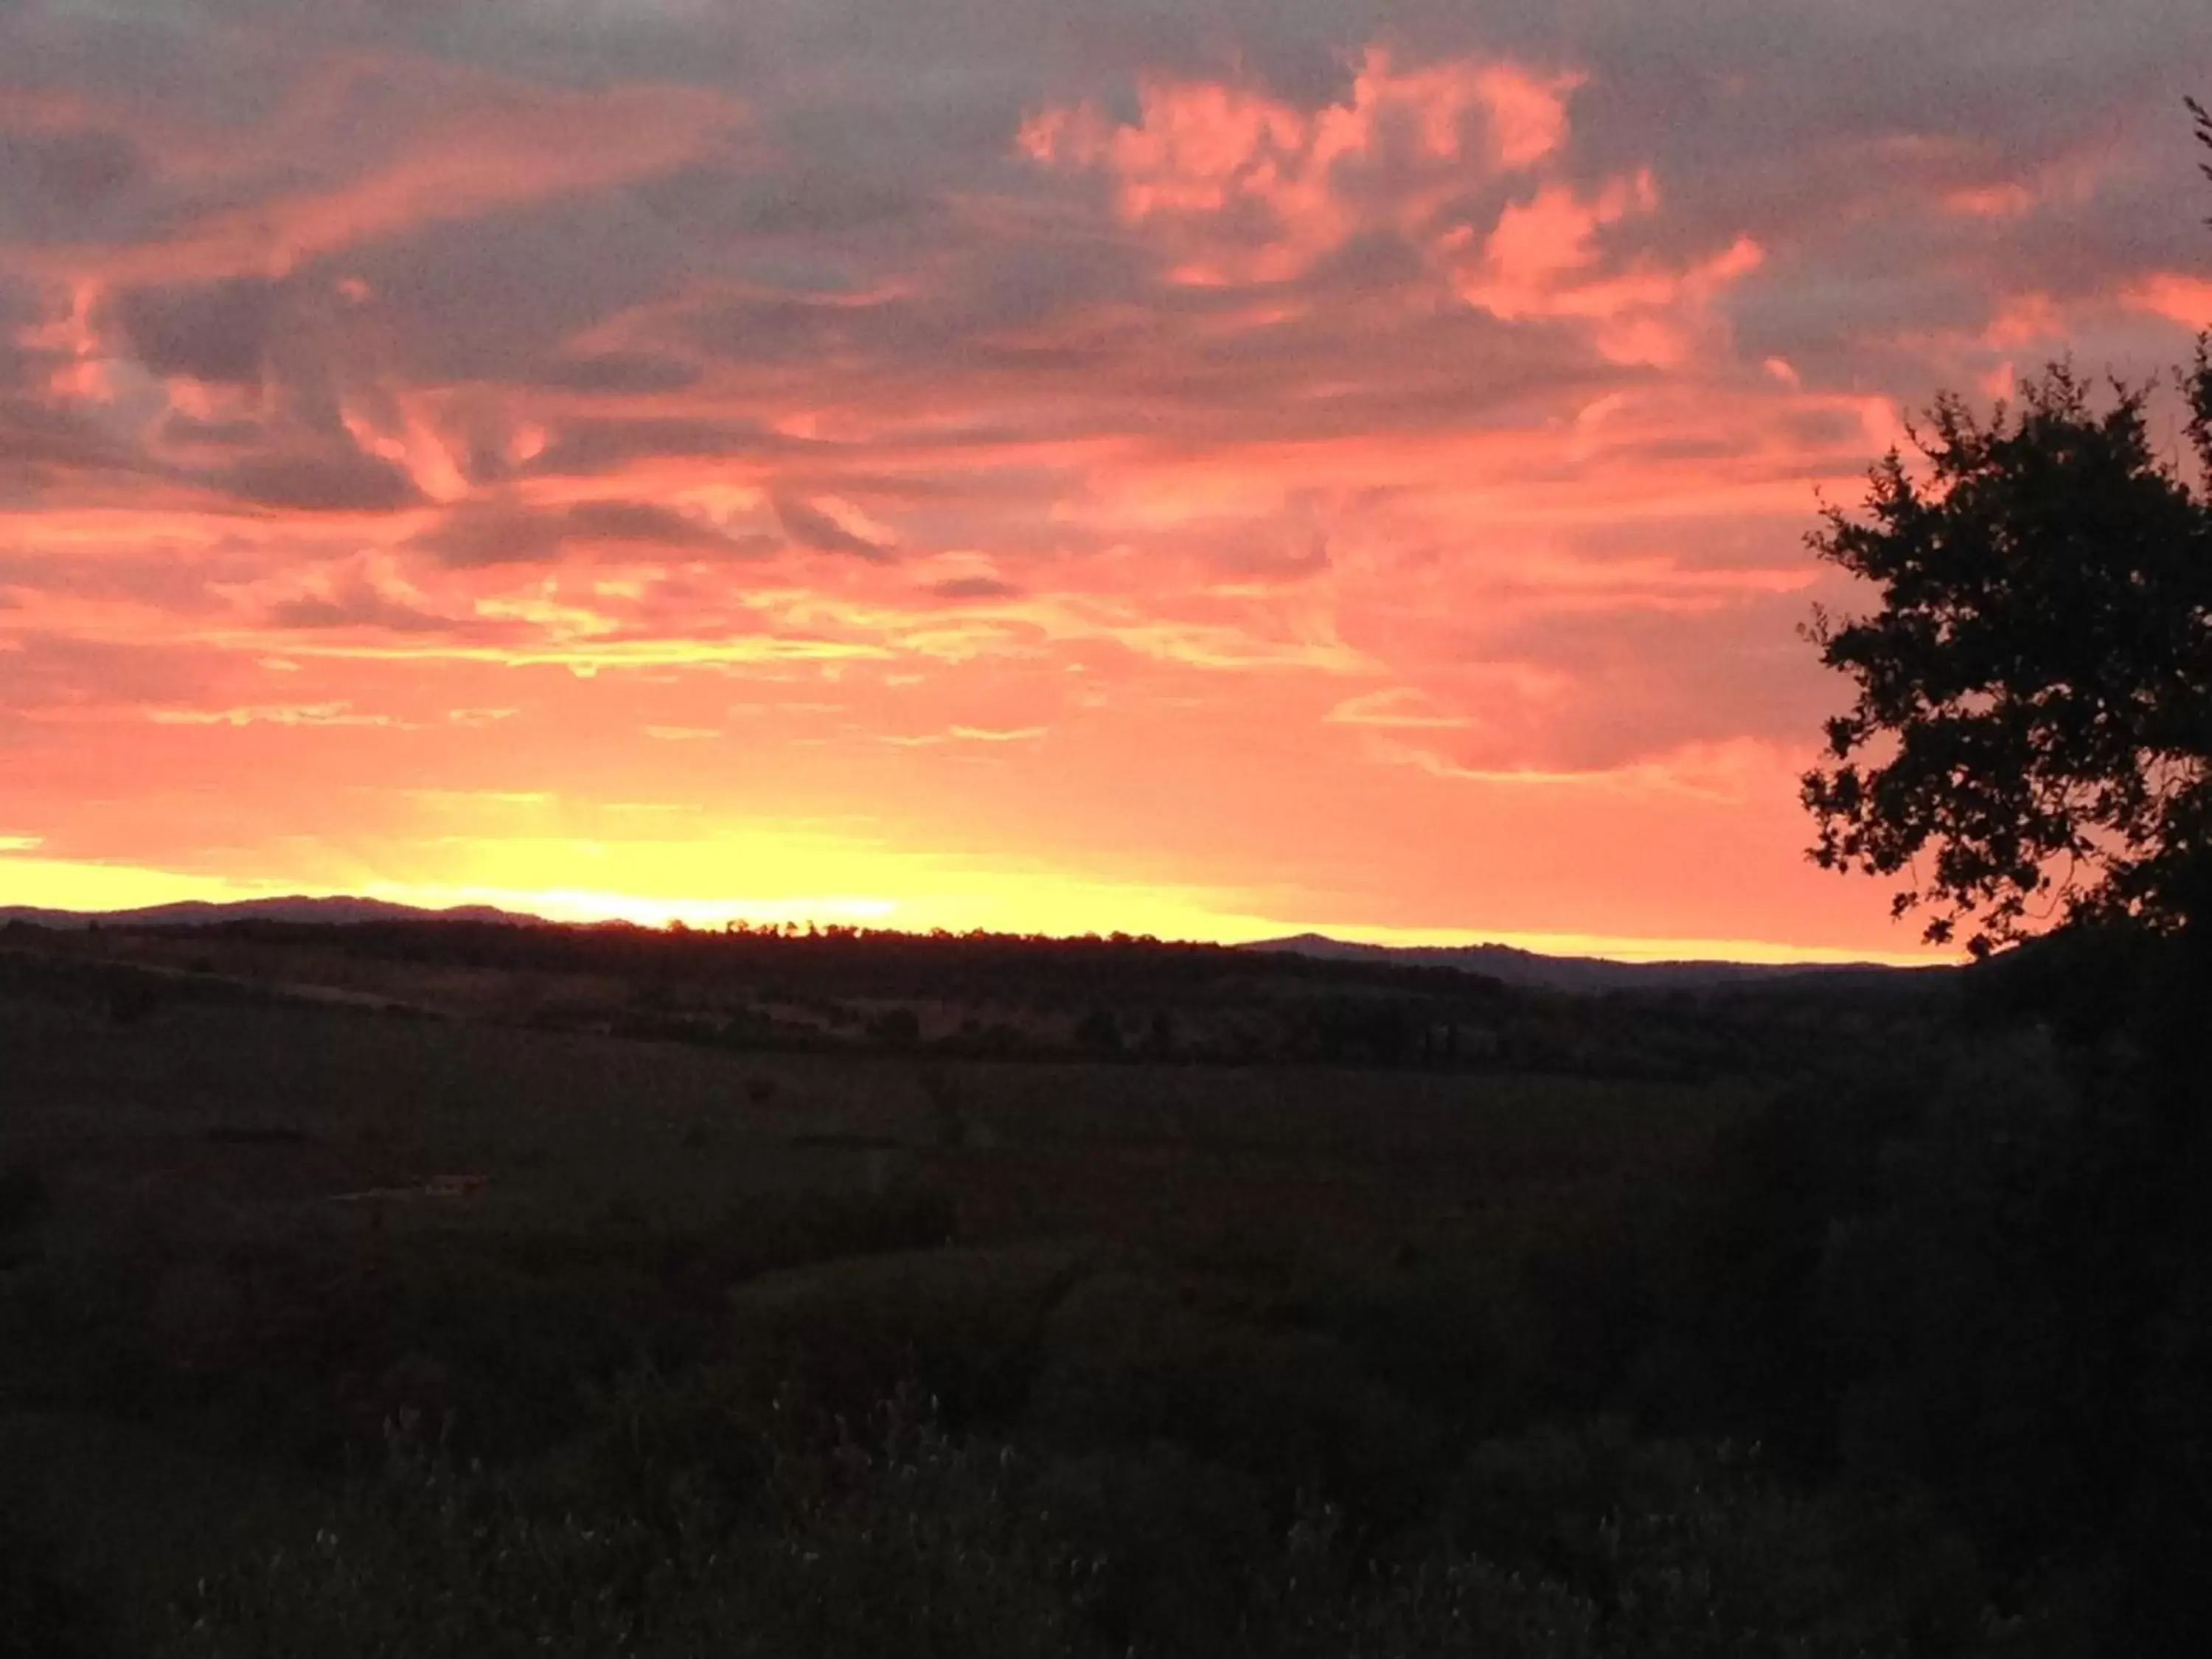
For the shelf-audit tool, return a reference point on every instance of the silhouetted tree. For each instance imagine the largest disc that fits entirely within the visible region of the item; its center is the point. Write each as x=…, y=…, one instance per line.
x=2017, y=1317
x=2203, y=119
x=2032, y=732
x=1098, y=1032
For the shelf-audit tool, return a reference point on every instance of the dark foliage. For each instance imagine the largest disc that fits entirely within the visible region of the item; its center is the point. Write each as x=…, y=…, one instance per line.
x=2034, y=709
x=43, y=1615
x=2202, y=118
x=25, y=1193
x=1186, y=1395
x=2007, y=1295
x=999, y=997
x=1067, y=973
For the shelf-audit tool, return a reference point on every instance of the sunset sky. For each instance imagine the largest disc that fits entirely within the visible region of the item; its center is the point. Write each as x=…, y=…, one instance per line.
x=1209, y=470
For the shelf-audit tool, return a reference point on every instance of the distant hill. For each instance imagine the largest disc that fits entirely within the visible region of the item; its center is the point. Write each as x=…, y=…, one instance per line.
x=1580, y=974
x=1504, y=963
x=297, y=908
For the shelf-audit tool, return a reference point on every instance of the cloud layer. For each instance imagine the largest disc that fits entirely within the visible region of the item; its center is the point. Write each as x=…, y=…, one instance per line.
x=1052, y=466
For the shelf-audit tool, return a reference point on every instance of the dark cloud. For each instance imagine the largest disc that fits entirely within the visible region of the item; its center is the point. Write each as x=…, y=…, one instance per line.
x=616, y=373
x=20, y=303
x=593, y=446
x=641, y=522
x=494, y=293
x=493, y=533
x=332, y=482
x=179, y=429
x=357, y=604
x=217, y=332
x=498, y=295
x=814, y=529
x=975, y=587
x=472, y=537
x=64, y=183
x=36, y=433
x=820, y=201
x=21, y=309
x=776, y=328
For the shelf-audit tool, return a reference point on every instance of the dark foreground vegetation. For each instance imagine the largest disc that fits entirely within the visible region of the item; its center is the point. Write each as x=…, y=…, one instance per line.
x=1871, y=1321
x=974, y=996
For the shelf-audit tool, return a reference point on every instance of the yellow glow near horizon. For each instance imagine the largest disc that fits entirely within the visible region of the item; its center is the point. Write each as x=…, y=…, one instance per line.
x=61, y=884
x=992, y=903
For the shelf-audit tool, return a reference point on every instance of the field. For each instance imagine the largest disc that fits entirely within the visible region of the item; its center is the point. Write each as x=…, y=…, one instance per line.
x=268, y=1245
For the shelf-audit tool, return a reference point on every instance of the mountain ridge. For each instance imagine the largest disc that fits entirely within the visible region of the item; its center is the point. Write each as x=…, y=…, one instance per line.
x=1537, y=970
x=336, y=910
x=1508, y=964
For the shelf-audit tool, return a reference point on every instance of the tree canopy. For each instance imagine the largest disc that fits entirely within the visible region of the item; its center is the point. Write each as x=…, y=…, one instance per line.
x=2203, y=117
x=2031, y=736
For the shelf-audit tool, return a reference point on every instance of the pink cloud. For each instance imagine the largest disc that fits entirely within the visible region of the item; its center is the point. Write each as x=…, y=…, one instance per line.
x=1245, y=187
x=2184, y=300
x=446, y=143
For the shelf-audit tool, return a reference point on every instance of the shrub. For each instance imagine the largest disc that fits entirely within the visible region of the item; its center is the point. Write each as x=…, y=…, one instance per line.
x=902, y=1543
x=25, y=1193
x=1130, y=1360
x=1169, y=1551
x=1687, y=1548
x=131, y=998
x=42, y=1614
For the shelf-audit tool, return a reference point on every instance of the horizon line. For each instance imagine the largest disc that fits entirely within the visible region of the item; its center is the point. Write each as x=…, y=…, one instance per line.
x=579, y=910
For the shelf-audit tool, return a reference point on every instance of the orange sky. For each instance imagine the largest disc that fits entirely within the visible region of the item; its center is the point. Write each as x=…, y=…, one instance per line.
x=1010, y=466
